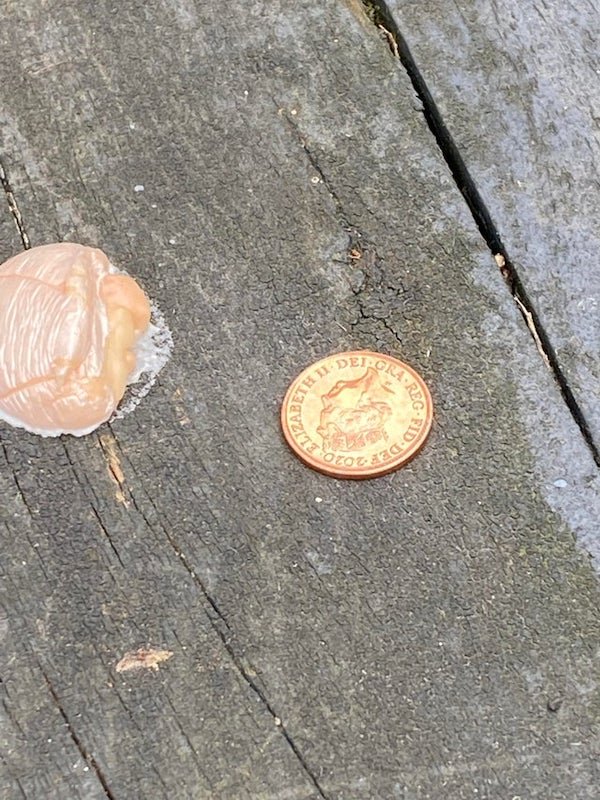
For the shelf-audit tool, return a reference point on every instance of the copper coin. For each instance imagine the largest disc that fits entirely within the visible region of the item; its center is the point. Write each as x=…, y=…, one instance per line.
x=357, y=414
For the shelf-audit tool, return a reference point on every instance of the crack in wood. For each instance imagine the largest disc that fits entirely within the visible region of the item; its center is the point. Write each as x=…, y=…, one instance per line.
x=93, y=508
x=244, y=672
x=380, y=15
x=12, y=777
x=13, y=207
x=218, y=625
x=358, y=242
x=354, y=234
x=15, y=478
x=174, y=545
x=106, y=533
x=365, y=316
x=85, y=754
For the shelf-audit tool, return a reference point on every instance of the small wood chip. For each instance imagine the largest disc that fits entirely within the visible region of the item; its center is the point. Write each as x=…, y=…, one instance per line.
x=143, y=659
x=108, y=444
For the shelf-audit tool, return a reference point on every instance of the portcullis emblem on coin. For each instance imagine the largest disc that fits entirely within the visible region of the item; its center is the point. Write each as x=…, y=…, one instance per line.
x=357, y=415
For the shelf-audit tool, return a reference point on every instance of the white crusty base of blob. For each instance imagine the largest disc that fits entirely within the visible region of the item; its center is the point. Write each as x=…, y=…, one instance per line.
x=152, y=351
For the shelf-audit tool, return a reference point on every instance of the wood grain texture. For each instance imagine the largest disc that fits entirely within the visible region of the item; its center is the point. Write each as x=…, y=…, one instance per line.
x=77, y=597
x=517, y=85
x=394, y=638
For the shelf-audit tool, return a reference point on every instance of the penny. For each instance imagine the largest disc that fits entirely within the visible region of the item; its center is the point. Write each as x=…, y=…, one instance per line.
x=357, y=415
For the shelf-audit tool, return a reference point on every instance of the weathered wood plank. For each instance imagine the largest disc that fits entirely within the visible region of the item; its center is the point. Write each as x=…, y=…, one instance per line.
x=407, y=633
x=77, y=599
x=517, y=84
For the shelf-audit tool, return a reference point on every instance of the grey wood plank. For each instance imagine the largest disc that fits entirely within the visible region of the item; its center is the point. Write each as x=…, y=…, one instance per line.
x=517, y=85
x=38, y=758
x=397, y=638
x=76, y=599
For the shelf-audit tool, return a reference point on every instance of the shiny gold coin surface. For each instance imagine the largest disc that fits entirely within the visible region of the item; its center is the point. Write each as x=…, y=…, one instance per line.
x=357, y=415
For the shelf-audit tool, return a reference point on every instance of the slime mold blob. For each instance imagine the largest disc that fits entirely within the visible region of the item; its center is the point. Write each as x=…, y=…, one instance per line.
x=74, y=332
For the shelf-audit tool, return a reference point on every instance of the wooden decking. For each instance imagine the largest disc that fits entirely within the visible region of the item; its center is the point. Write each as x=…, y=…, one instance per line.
x=430, y=635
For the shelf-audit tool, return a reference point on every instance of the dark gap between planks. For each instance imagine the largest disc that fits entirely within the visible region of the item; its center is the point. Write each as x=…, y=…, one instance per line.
x=382, y=18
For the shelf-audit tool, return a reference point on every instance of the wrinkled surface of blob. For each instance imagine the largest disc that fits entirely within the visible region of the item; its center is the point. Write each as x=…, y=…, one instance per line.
x=68, y=328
